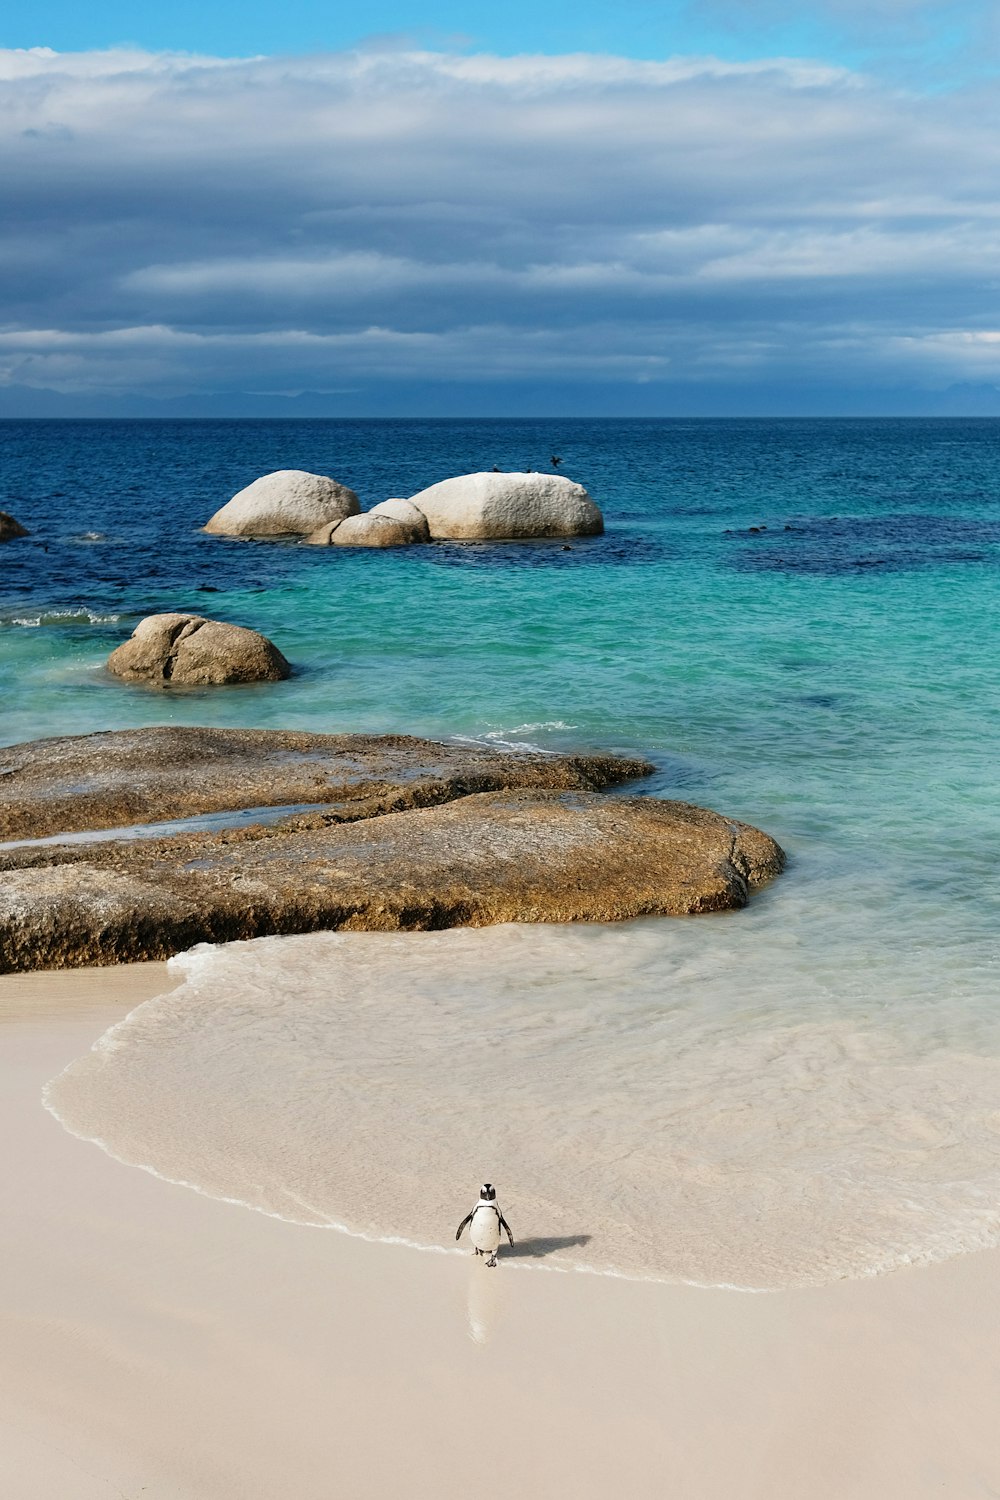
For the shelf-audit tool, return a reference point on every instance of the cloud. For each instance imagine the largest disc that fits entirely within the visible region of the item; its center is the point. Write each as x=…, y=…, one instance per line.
x=182, y=224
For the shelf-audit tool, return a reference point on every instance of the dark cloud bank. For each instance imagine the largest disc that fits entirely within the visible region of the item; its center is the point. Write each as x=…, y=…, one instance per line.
x=426, y=234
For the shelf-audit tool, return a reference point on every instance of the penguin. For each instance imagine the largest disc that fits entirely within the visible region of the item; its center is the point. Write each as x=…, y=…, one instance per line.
x=485, y=1223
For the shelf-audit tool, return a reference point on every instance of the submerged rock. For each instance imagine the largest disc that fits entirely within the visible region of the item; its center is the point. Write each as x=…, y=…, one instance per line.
x=286, y=502
x=191, y=651
x=504, y=507
x=10, y=528
x=410, y=835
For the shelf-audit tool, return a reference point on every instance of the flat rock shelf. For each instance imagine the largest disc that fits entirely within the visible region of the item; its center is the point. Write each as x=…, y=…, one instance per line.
x=397, y=834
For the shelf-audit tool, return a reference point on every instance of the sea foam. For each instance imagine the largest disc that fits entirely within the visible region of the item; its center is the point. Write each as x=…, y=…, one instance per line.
x=80, y=616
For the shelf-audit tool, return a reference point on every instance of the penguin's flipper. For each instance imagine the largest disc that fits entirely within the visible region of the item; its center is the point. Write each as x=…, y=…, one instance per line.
x=465, y=1221
x=504, y=1225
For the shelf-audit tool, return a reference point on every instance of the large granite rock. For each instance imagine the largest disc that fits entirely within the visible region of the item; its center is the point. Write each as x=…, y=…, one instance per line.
x=323, y=535
x=95, y=781
x=407, y=512
x=371, y=530
x=190, y=651
x=392, y=523
x=499, y=507
x=10, y=528
x=512, y=856
x=283, y=503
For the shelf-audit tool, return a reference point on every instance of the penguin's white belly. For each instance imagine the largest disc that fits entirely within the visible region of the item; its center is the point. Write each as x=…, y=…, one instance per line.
x=484, y=1231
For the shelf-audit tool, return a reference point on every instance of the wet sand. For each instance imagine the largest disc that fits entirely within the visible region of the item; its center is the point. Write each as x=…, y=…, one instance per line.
x=156, y=1342
x=626, y=1096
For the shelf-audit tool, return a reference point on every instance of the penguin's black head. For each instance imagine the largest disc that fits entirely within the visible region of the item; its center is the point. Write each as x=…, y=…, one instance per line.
x=488, y=1192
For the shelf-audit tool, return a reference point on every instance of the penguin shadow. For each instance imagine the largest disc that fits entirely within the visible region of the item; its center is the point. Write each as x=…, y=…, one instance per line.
x=543, y=1245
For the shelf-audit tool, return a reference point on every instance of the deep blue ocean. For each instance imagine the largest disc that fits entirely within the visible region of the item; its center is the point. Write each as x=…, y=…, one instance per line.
x=797, y=621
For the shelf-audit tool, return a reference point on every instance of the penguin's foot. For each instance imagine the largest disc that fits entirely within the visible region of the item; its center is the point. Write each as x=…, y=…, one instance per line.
x=492, y=1261
x=477, y=1253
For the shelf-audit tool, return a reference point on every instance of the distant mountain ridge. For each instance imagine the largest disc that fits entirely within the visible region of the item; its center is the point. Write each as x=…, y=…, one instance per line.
x=548, y=400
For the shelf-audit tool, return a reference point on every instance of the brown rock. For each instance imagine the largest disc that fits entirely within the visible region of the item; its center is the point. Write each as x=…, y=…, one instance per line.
x=126, y=776
x=521, y=856
x=51, y=916
x=190, y=651
x=10, y=528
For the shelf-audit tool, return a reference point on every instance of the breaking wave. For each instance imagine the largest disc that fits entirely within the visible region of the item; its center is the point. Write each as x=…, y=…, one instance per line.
x=61, y=617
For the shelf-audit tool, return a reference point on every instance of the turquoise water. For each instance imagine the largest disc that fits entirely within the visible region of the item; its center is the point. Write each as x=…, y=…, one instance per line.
x=836, y=681
x=830, y=677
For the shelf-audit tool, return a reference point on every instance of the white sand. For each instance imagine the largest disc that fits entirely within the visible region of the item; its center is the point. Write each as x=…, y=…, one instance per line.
x=159, y=1344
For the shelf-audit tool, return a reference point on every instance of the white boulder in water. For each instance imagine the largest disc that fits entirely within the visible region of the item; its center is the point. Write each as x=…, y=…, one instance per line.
x=406, y=512
x=393, y=523
x=374, y=531
x=498, y=507
x=286, y=502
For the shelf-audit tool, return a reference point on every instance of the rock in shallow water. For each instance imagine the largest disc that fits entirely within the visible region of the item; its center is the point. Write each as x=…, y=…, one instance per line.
x=284, y=503
x=371, y=530
x=524, y=854
x=190, y=651
x=405, y=511
x=505, y=507
x=93, y=781
x=10, y=528
x=392, y=523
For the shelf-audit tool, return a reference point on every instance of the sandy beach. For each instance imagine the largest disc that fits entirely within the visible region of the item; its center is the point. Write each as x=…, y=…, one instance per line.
x=159, y=1343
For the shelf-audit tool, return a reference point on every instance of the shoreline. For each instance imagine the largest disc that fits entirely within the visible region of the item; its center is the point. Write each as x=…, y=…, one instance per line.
x=159, y=1341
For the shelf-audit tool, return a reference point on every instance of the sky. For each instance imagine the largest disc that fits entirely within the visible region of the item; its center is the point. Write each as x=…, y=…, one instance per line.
x=920, y=37
x=708, y=208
